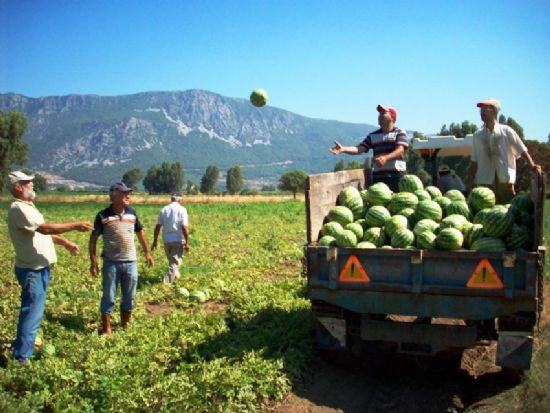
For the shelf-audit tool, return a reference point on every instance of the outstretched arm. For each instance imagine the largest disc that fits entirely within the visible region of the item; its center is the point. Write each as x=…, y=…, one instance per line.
x=53, y=229
x=337, y=149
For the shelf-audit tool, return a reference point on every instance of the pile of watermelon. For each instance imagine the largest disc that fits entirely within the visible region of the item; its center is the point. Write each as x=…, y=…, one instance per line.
x=424, y=218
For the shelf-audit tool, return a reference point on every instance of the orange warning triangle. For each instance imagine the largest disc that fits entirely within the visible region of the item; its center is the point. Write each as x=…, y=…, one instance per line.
x=353, y=271
x=485, y=276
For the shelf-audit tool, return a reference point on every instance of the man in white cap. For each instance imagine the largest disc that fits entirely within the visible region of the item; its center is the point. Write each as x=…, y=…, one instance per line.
x=388, y=145
x=174, y=222
x=494, y=152
x=33, y=241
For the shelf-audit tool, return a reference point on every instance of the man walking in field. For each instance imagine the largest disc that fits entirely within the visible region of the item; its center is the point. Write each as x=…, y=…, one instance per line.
x=175, y=233
x=33, y=241
x=388, y=145
x=118, y=223
x=495, y=149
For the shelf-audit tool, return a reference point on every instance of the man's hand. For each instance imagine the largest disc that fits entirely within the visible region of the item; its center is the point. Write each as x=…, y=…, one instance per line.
x=83, y=226
x=149, y=259
x=72, y=248
x=94, y=268
x=337, y=149
x=381, y=160
x=186, y=247
x=536, y=168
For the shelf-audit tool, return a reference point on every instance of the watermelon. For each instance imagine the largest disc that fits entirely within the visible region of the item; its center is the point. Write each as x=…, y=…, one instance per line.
x=426, y=225
x=377, y=216
x=498, y=222
x=449, y=239
x=48, y=349
x=386, y=247
x=402, y=238
x=410, y=183
x=407, y=213
x=331, y=228
x=518, y=238
x=456, y=221
x=357, y=229
x=341, y=214
x=526, y=218
x=428, y=210
x=183, y=292
x=488, y=244
x=199, y=296
x=433, y=191
x=524, y=203
x=425, y=240
x=395, y=223
x=363, y=194
x=458, y=207
x=480, y=215
x=379, y=194
x=361, y=222
x=422, y=195
x=346, y=239
x=443, y=201
x=348, y=194
x=375, y=235
x=402, y=200
x=481, y=198
x=365, y=244
x=455, y=195
x=327, y=241
x=472, y=234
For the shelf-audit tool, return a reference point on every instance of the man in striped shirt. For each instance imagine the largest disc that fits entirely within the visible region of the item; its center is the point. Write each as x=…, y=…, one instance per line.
x=118, y=223
x=388, y=145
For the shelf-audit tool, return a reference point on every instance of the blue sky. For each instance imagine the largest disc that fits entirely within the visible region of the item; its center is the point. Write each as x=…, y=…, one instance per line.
x=432, y=60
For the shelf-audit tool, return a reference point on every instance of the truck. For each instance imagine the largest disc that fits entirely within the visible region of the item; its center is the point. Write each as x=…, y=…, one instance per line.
x=422, y=302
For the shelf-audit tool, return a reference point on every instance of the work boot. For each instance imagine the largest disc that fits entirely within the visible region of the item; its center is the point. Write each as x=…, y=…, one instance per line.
x=106, y=324
x=126, y=315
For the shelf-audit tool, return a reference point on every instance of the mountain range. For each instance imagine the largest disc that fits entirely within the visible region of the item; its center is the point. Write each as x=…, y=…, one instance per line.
x=97, y=138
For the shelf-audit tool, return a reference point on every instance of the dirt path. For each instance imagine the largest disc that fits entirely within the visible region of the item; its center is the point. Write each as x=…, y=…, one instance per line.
x=401, y=383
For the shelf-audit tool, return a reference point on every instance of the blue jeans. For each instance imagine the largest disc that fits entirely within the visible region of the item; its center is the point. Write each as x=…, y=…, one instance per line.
x=34, y=284
x=115, y=273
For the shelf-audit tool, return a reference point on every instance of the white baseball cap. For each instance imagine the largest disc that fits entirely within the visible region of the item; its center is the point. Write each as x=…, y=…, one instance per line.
x=490, y=102
x=18, y=176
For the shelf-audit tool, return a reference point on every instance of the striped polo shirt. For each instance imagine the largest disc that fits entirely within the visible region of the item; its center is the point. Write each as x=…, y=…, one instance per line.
x=118, y=233
x=384, y=143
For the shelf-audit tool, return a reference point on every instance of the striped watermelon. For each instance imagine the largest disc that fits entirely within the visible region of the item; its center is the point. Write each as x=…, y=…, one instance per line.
x=481, y=198
x=346, y=239
x=425, y=240
x=331, y=228
x=422, y=195
x=341, y=214
x=433, y=191
x=449, y=239
x=377, y=216
x=428, y=210
x=524, y=203
x=379, y=194
x=526, y=218
x=402, y=200
x=395, y=223
x=443, y=201
x=365, y=244
x=351, y=198
x=386, y=247
x=472, y=234
x=426, y=225
x=357, y=229
x=363, y=194
x=455, y=195
x=410, y=183
x=518, y=238
x=488, y=244
x=456, y=221
x=402, y=238
x=375, y=235
x=361, y=222
x=327, y=241
x=480, y=215
x=407, y=213
x=458, y=207
x=498, y=222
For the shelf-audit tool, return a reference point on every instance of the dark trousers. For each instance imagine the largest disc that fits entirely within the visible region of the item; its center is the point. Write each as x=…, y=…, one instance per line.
x=391, y=179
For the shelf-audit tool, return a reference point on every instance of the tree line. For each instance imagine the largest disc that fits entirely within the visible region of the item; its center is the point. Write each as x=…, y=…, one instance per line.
x=169, y=177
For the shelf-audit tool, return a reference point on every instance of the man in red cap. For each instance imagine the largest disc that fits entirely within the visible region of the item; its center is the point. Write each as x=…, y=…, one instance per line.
x=495, y=149
x=388, y=145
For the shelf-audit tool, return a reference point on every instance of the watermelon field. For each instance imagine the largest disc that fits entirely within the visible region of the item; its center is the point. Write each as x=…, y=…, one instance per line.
x=243, y=350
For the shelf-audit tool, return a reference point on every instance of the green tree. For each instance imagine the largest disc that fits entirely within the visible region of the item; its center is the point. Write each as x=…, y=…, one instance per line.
x=191, y=188
x=354, y=165
x=132, y=177
x=168, y=178
x=234, y=180
x=210, y=179
x=540, y=152
x=13, y=150
x=340, y=166
x=515, y=126
x=293, y=181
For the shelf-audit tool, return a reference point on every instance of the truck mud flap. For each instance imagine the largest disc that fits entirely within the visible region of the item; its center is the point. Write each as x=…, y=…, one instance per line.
x=419, y=338
x=514, y=350
x=330, y=333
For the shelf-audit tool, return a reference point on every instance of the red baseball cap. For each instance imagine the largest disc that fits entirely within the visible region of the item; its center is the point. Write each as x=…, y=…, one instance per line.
x=393, y=112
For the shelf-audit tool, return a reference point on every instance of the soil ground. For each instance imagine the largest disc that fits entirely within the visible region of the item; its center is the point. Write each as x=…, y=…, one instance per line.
x=399, y=383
